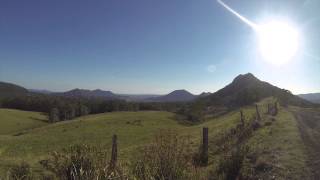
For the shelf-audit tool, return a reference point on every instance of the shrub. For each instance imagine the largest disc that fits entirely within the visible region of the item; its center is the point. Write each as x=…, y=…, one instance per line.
x=199, y=158
x=269, y=123
x=20, y=172
x=79, y=162
x=168, y=157
x=230, y=165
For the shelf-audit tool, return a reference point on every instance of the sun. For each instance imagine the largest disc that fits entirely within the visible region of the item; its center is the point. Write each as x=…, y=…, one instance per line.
x=278, y=42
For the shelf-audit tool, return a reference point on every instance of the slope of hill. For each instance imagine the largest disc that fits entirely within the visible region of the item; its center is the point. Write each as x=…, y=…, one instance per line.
x=174, y=96
x=16, y=121
x=312, y=97
x=11, y=90
x=204, y=94
x=278, y=146
x=133, y=129
x=247, y=89
x=84, y=93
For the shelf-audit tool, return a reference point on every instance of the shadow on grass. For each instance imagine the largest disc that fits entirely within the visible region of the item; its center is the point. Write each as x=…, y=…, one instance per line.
x=38, y=119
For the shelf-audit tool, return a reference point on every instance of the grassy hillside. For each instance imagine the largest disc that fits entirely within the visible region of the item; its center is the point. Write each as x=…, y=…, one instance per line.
x=133, y=129
x=278, y=143
x=279, y=149
x=15, y=121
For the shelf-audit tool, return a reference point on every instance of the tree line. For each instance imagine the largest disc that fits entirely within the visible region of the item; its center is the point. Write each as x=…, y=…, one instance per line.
x=59, y=108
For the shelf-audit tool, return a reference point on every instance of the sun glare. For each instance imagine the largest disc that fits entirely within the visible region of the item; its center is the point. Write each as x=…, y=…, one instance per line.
x=278, y=41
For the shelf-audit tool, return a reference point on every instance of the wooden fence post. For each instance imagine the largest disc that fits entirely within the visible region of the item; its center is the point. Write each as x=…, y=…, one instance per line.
x=258, y=113
x=275, y=108
x=205, y=146
x=241, y=118
x=114, y=152
x=269, y=109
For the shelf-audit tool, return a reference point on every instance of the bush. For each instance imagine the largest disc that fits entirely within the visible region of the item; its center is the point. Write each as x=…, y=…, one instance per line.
x=269, y=123
x=230, y=165
x=20, y=172
x=79, y=162
x=168, y=157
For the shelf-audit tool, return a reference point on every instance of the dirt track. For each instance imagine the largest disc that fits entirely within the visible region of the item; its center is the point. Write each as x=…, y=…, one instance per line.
x=309, y=126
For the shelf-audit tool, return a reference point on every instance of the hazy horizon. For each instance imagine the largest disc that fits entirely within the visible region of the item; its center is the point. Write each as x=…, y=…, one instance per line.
x=138, y=93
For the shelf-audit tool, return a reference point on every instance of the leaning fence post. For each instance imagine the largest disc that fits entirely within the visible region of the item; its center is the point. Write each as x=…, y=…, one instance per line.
x=205, y=147
x=114, y=151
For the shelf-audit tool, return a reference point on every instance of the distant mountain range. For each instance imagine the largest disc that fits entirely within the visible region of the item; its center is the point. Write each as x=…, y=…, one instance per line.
x=312, y=97
x=97, y=93
x=243, y=90
x=83, y=93
x=137, y=97
x=175, y=96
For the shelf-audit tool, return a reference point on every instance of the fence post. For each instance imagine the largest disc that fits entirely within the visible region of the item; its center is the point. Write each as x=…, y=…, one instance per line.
x=275, y=108
x=114, y=152
x=241, y=118
x=269, y=109
x=205, y=146
x=258, y=113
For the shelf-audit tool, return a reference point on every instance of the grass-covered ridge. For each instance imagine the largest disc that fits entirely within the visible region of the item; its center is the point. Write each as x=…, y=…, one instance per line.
x=278, y=149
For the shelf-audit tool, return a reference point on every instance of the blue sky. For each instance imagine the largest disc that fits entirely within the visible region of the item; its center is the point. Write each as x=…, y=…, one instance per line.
x=149, y=46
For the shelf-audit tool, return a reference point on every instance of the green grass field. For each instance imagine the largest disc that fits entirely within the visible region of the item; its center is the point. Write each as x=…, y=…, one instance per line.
x=14, y=121
x=134, y=129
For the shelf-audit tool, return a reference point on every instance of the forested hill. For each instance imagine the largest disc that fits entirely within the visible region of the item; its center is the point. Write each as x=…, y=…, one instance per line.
x=11, y=90
x=246, y=89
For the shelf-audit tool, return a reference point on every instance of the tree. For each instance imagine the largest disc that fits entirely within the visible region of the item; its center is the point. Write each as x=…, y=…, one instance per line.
x=54, y=115
x=84, y=110
x=115, y=106
x=71, y=112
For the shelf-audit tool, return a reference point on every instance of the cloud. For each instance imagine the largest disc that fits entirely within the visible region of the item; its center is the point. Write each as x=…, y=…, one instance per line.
x=211, y=68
